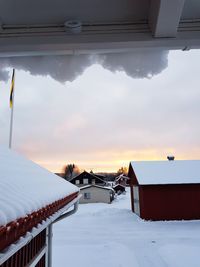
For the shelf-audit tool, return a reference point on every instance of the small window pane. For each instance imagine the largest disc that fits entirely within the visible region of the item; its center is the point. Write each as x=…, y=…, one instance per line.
x=87, y=195
x=85, y=181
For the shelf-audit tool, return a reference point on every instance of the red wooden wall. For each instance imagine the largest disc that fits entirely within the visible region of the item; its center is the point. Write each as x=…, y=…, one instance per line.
x=170, y=202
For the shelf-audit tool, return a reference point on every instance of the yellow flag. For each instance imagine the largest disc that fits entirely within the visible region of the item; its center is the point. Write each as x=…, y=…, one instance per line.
x=12, y=88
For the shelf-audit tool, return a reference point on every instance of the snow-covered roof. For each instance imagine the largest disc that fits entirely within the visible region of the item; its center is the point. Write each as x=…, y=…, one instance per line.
x=26, y=187
x=121, y=176
x=98, y=186
x=167, y=172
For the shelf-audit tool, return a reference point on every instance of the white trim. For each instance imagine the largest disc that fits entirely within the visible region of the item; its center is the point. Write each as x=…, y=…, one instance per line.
x=85, y=181
x=136, y=200
x=37, y=258
x=101, y=41
x=47, y=246
x=95, y=185
x=164, y=17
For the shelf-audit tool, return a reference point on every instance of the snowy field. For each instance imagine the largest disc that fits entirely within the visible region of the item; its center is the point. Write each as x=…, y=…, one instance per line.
x=110, y=235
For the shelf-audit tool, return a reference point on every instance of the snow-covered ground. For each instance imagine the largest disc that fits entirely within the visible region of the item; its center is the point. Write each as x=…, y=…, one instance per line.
x=110, y=235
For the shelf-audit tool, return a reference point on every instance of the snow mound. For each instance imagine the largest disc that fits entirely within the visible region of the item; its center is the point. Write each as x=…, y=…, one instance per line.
x=111, y=235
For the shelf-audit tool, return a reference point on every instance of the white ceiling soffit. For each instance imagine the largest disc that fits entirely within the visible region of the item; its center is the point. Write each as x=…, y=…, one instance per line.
x=191, y=10
x=58, y=11
x=36, y=27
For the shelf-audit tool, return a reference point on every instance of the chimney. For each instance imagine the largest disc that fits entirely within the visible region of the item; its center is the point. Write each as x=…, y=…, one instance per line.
x=170, y=158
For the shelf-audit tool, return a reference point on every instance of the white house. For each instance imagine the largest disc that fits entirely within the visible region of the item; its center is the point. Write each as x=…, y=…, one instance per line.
x=96, y=194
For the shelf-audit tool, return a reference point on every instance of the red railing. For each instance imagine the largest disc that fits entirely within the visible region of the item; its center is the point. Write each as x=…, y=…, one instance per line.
x=27, y=253
x=14, y=230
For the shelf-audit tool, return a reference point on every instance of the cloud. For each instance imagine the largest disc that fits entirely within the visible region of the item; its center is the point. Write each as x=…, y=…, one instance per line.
x=139, y=64
x=4, y=74
x=105, y=118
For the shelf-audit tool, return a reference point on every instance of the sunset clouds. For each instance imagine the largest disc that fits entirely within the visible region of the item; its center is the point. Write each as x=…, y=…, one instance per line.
x=104, y=119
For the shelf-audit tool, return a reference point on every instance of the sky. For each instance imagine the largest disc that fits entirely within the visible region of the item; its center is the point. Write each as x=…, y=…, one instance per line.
x=101, y=112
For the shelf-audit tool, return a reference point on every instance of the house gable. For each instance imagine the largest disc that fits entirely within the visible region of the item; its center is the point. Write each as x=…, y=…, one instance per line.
x=87, y=178
x=132, y=176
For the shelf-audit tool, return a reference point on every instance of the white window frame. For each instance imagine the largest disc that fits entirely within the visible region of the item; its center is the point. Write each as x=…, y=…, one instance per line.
x=85, y=180
x=87, y=195
x=77, y=182
x=136, y=200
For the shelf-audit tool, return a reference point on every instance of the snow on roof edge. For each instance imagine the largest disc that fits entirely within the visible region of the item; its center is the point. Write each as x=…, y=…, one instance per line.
x=26, y=187
x=94, y=185
x=167, y=172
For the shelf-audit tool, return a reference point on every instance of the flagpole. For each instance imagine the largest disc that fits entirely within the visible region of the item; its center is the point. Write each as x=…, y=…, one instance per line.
x=11, y=115
x=11, y=125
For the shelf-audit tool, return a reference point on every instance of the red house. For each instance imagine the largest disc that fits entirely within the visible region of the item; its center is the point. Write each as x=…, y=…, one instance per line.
x=31, y=200
x=165, y=190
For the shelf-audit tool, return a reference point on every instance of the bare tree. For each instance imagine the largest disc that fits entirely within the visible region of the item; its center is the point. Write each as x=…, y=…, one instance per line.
x=122, y=170
x=70, y=171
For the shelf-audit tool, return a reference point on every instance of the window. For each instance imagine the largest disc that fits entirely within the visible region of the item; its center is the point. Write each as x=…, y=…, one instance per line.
x=136, y=200
x=93, y=181
x=77, y=182
x=87, y=195
x=85, y=181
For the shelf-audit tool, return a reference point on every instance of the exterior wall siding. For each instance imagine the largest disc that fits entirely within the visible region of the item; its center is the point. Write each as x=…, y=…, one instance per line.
x=170, y=202
x=98, y=195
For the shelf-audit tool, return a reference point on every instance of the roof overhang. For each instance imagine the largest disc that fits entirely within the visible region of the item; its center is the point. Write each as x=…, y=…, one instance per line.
x=121, y=26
